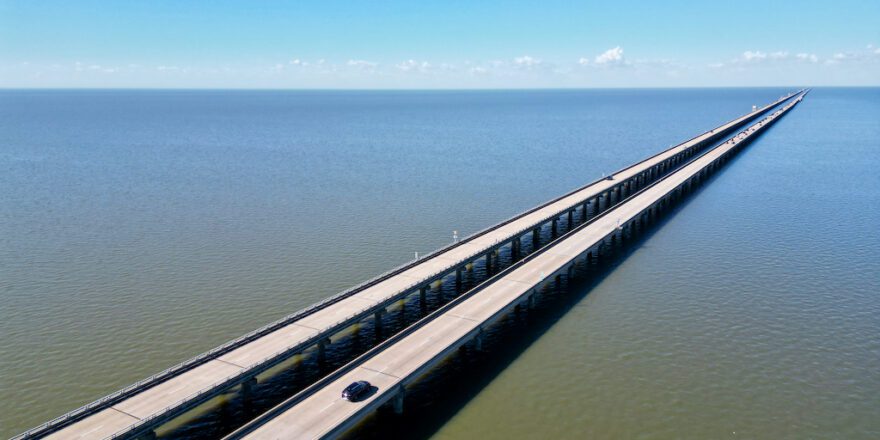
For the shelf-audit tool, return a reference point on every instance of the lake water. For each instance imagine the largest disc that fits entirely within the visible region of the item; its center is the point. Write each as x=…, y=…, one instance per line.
x=139, y=228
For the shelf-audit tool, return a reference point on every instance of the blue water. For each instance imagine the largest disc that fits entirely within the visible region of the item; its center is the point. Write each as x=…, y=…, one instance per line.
x=138, y=228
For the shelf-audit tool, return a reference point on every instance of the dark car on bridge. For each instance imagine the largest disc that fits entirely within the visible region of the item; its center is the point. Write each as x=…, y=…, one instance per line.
x=356, y=390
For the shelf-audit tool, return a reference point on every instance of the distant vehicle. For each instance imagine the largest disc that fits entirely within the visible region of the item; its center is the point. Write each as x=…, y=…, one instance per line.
x=609, y=177
x=356, y=390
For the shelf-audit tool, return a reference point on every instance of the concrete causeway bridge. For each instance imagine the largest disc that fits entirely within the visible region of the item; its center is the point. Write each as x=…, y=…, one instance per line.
x=320, y=412
x=599, y=211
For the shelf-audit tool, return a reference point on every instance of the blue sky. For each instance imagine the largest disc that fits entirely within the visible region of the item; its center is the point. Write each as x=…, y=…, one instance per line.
x=444, y=44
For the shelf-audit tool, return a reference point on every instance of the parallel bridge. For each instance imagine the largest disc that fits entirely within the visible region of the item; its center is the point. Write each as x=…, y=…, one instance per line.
x=392, y=366
x=142, y=407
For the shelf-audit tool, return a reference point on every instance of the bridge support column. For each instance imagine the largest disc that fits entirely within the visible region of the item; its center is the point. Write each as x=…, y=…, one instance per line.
x=489, y=263
x=554, y=228
x=536, y=238
x=458, y=278
x=149, y=435
x=514, y=248
x=423, y=299
x=570, y=219
x=377, y=319
x=584, y=212
x=478, y=341
x=322, y=350
x=247, y=389
x=398, y=401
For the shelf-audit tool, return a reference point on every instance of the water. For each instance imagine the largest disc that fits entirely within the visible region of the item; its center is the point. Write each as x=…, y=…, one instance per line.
x=138, y=228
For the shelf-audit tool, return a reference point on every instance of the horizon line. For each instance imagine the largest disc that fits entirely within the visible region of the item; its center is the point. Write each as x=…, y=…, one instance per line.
x=416, y=89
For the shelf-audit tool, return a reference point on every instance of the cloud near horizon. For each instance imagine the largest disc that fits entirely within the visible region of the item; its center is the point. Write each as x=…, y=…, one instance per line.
x=613, y=56
x=524, y=70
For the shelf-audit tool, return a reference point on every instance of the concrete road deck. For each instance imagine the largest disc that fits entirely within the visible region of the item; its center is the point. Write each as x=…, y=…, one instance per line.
x=323, y=413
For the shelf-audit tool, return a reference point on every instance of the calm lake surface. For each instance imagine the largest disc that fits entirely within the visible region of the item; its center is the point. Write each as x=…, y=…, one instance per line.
x=139, y=228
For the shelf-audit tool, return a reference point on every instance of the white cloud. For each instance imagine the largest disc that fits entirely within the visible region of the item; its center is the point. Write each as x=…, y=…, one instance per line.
x=478, y=71
x=584, y=61
x=526, y=61
x=757, y=56
x=414, y=66
x=295, y=62
x=749, y=56
x=611, y=56
x=362, y=64
x=811, y=57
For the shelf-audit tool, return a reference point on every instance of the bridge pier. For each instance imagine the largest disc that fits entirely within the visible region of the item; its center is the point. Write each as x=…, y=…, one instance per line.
x=423, y=299
x=478, y=340
x=377, y=320
x=149, y=435
x=536, y=238
x=322, y=350
x=398, y=400
x=514, y=248
x=554, y=228
x=247, y=389
x=458, y=279
x=570, y=220
x=489, y=263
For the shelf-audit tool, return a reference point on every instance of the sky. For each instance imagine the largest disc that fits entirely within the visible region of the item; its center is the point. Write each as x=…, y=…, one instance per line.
x=306, y=44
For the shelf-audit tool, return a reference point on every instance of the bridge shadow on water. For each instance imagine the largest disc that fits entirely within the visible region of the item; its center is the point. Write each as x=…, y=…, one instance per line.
x=444, y=391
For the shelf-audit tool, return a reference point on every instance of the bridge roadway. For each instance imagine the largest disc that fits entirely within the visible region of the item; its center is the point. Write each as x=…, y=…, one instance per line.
x=320, y=412
x=138, y=409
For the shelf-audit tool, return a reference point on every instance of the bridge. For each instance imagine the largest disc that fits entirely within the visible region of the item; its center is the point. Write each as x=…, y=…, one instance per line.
x=392, y=366
x=142, y=407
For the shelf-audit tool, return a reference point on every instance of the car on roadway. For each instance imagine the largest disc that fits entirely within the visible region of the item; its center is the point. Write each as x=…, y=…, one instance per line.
x=356, y=390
